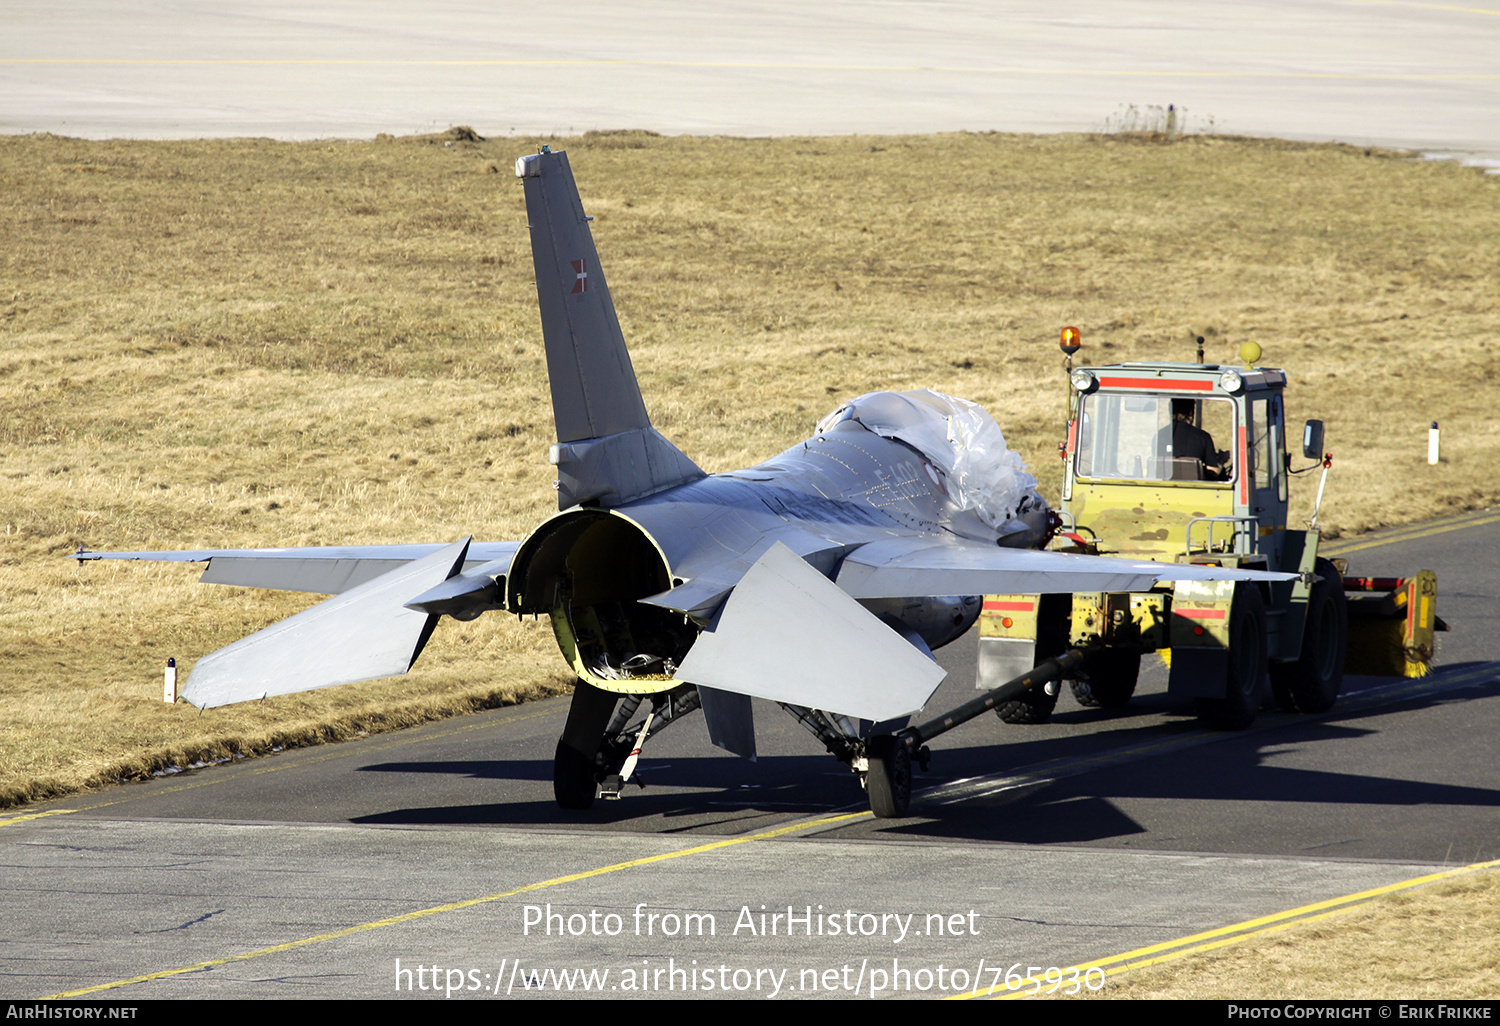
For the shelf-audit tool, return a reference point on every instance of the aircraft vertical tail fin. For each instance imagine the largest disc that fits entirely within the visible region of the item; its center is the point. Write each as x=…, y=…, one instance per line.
x=607, y=451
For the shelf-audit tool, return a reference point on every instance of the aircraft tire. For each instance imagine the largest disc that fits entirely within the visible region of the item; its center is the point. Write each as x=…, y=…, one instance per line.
x=573, y=783
x=1112, y=676
x=1312, y=683
x=1247, y=664
x=888, y=781
x=574, y=767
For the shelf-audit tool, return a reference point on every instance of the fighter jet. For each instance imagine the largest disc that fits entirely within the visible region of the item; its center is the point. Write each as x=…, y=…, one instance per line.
x=821, y=579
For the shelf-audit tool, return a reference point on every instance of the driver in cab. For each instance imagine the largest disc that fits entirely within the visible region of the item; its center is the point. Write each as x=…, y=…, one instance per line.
x=1191, y=449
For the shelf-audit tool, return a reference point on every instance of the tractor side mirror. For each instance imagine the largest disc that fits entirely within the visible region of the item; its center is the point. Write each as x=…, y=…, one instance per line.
x=1312, y=439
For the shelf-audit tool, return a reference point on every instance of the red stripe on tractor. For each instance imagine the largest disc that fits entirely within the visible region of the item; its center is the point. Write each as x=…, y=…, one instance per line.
x=1244, y=469
x=1015, y=607
x=1374, y=583
x=1200, y=614
x=1170, y=384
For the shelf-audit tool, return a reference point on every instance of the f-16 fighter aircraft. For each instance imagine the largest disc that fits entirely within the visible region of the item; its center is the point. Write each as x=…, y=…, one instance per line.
x=821, y=579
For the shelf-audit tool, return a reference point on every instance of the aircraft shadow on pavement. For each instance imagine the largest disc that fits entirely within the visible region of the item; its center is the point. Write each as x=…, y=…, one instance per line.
x=715, y=790
x=1080, y=808
x=1088, y=807
x=712, y=793
x=715, y=785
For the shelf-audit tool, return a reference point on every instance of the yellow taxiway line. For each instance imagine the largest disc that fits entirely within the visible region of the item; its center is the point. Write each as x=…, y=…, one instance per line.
x=1224, y=936
x=454, y=906
x=1397, y=535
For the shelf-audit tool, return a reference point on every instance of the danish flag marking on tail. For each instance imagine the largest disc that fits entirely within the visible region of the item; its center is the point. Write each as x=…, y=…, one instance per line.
x=581, y=276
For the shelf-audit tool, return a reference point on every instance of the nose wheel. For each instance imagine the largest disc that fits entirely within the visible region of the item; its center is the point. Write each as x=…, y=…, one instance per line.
x=888, y=778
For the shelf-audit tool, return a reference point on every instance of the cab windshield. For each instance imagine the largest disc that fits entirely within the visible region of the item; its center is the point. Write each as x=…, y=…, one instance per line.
x=1154, y=438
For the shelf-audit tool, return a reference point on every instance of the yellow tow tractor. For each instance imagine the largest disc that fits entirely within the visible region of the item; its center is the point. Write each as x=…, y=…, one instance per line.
x=1187, y=462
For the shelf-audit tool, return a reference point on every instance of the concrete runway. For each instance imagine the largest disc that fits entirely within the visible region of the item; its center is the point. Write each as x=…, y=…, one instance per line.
x=311, y=873
x=1418, y=75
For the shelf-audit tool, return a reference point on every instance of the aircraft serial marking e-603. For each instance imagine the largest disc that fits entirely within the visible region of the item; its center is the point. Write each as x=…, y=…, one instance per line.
x=821, y=579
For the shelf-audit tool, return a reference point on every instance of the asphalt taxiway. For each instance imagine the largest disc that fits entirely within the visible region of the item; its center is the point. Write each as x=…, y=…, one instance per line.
x=384, y=867
x=322, y=872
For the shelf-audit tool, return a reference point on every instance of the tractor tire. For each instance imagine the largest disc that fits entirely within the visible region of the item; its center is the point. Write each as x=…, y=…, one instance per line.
x=888, y=781
x=1111, y=680
x=1032, y=706
x=1247, y=664
x=1312, y=683
x=1035, y=705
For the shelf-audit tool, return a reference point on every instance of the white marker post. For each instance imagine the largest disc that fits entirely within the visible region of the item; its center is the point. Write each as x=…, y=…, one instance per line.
x=1432, y=444
x=169, y=685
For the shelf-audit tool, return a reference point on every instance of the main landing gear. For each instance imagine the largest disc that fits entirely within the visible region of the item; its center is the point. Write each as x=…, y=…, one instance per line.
x=597, y=753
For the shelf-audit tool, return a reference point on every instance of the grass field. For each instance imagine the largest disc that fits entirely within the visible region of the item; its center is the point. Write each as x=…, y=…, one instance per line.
x=1440, y=942
x=242, y=343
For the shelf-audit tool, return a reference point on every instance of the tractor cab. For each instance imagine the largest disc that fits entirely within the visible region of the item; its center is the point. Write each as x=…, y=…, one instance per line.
x=1177, y=461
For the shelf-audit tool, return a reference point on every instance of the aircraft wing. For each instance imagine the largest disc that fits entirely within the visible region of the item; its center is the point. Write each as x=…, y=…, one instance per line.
x=366, y=632
x=324, y=570
x=915, y=566
x=788, y=634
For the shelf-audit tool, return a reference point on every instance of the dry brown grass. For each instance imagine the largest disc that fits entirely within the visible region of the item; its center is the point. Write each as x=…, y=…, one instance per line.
x=242, y=343
x=1437, y=942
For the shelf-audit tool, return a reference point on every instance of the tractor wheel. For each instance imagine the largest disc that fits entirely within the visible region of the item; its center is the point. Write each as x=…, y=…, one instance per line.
x=888, y=781
x=1112, y=674
x=1247, y=664
x=1031, y=706
x=1035, y=705
x=1312, y=683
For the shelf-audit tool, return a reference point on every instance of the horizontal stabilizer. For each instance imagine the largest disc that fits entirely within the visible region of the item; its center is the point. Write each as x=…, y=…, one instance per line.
x=362, y=634
x=739, y=546
x=915, y=567
x=788, y=634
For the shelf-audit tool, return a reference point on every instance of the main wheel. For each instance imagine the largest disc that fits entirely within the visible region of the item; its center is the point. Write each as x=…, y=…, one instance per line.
x=574, y=783
x=1112, y=674
x=1247, y=664
x=1312, y=683
x=888, y=781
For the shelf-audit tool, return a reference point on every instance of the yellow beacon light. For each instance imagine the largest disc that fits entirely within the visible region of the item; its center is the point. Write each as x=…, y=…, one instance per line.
x=1071, y=341
x=1250, y=352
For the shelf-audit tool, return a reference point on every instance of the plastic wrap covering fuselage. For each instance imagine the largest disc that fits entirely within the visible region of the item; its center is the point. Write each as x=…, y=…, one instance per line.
x=981, y=476
x=822, y=498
